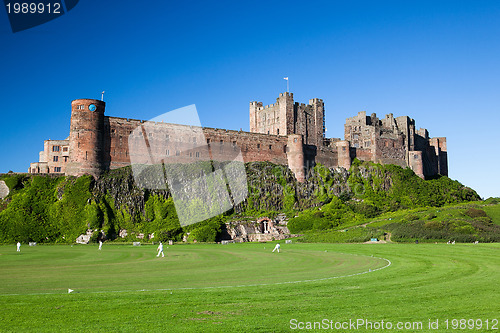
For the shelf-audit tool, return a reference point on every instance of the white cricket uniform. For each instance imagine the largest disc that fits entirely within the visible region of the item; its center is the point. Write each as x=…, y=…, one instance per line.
x=160, y=250
x=277, y=248
x=18, y=247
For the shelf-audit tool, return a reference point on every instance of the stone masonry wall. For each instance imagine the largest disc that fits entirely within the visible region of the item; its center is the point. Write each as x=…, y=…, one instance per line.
x=188, y=144
x=286, y=133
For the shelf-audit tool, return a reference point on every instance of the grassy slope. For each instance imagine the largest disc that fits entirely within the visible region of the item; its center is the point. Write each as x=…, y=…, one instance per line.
x=493, y=211
x=425, y=281
x=363, y=230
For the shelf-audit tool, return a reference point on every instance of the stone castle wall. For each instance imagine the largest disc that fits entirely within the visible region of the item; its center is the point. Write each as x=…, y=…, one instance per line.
x=286, y=133
x=188, y=144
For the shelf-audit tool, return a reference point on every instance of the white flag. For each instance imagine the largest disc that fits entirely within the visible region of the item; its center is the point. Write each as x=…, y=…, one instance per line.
x=285, y=78
x=70, y=291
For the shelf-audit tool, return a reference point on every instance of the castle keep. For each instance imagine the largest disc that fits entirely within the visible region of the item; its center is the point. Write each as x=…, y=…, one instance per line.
x=285, y=132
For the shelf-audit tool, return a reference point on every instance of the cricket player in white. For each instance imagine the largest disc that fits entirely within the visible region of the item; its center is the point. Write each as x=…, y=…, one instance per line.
x=100, y=244
x=160, y=250
x=18, y=247
x=277, y=248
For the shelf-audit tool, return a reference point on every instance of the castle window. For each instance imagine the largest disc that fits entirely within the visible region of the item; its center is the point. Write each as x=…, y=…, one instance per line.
x=270, y=147
x=65, y=149
x=167, y=137
x=234, y=144
x=343, y=148
x=78, y=144
x=190, y=154
x=221, y=142
x=56, y=159
x=267, y=132
x=113, y=131
x=278, y=131
x=65, y=159
x=295, y=140
x=57, y=169
x=177, y=153
x=56, y=148
x=285, y=149
x=80, y=107
x=355, y=137
x=197, y=154
x=415, y=156
x=208, y=141
x=168, y=152
x=367, y=143
x=258, y=146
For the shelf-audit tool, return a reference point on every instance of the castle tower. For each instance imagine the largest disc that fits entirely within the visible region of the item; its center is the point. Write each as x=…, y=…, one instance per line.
x=416, y=163
x=86, y=137
x=254, y=116
x=318, y=131
x=286, y=116
x=295, y=156
x=344, y=154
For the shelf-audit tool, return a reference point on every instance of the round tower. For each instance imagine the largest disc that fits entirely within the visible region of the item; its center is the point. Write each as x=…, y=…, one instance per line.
x=344, y=154
x=86, y=136
x=295, y=156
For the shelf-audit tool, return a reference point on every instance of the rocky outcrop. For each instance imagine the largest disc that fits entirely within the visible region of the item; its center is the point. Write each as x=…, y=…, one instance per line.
x=4, y=190
x=263, y=229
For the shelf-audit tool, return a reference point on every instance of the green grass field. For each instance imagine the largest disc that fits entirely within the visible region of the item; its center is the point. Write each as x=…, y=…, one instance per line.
x=246, y=288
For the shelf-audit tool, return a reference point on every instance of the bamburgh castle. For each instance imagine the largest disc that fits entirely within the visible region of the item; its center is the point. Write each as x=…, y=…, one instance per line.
x=285, y=132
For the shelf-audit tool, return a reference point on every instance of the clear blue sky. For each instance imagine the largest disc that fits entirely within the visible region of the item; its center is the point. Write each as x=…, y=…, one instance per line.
x=435, y=61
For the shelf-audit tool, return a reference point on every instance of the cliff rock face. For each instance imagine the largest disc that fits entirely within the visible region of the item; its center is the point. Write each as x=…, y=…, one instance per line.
x=4, y=190
x=59, y=209
x=263, y=229
x=270, y=188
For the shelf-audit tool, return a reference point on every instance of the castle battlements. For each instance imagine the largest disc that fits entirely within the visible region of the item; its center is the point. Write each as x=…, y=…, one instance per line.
x=285, y=132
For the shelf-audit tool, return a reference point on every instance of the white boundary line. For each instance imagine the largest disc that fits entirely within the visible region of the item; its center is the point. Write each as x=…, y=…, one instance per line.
x=389, y=263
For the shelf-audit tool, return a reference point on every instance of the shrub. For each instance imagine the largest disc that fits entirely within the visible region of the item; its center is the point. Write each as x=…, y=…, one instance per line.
x=474, y=212
x=411, y=217
x=431, y=216
x=492, y=201
x=208, y=230
x=458, y=230
x=368, y=210
x=300, y=224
